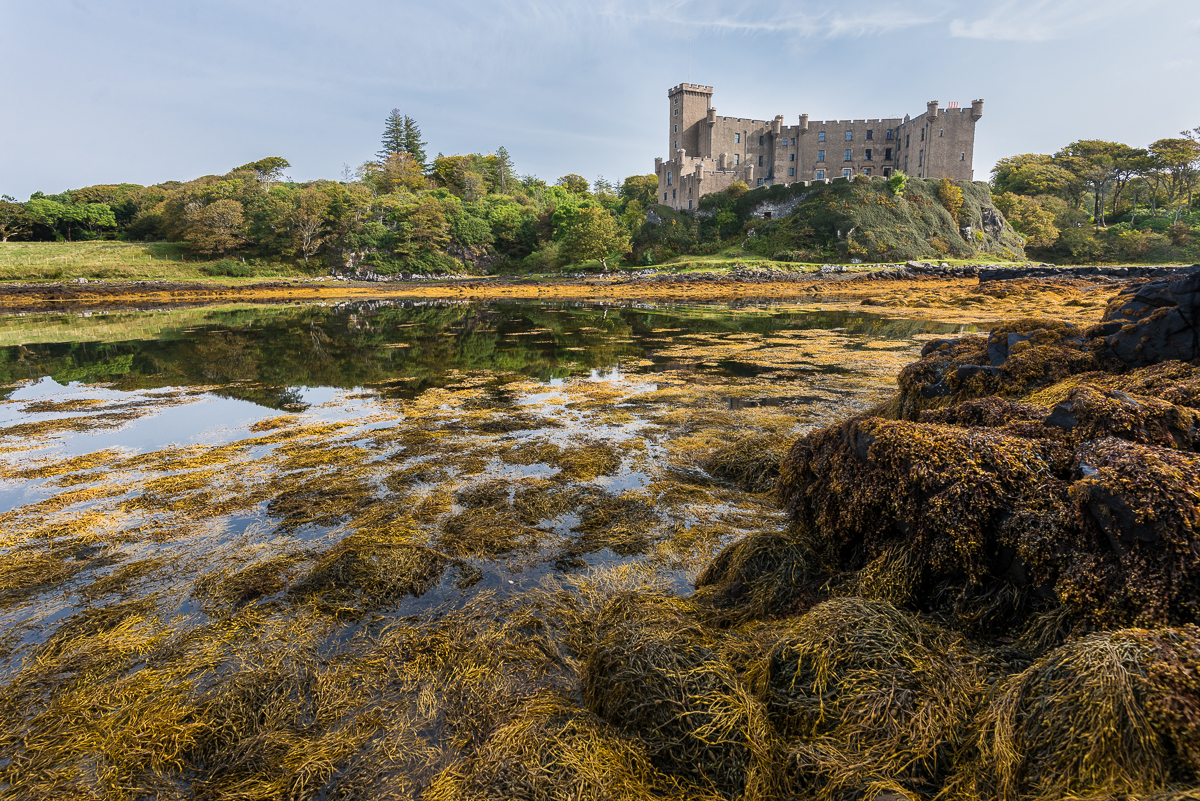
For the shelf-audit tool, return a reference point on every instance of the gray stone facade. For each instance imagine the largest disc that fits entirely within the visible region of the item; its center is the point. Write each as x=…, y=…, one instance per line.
x=710, y=152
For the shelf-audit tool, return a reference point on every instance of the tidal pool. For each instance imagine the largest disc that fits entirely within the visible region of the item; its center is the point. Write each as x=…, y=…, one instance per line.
x=378, y=501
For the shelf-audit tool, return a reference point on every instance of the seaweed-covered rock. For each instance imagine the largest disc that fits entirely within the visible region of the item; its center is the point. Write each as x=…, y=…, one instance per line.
x=1015, y=358
x=1156, y=321
x=1093, y=413
x=865, y=695
x=1111, y=715
x=1143, y=503
x=949, y=494
x=656, y=673
x=759, y=575
x=989, y=412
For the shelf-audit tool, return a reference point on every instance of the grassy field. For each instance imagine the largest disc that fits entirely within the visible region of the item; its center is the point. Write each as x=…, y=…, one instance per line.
x=114, y=261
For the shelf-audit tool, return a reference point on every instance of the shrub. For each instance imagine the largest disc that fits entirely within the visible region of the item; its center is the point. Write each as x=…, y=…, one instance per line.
x=228, y=267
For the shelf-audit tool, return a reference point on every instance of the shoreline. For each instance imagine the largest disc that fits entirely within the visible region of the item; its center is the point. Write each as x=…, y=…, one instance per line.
x=963, y=298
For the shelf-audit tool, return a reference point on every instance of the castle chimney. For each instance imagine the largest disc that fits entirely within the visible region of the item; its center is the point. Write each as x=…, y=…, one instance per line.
x=933, y=109
x=976, y=109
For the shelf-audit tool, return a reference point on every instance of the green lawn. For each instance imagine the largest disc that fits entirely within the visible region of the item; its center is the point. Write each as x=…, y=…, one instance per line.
x=64, y=261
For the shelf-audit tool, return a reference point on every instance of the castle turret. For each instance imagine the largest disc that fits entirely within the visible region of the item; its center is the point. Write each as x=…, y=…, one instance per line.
x=776, y=125
x=976, y=109
x=804, y=122
x=932, y=111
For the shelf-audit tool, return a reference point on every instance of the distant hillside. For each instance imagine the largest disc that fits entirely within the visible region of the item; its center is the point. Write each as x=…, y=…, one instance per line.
x=840, y=221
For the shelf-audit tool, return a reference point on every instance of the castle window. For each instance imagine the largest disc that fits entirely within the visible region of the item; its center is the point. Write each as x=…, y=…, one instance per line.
x=890, y=134
x=922, y=134
x=870, y=135
x=849, y=136
x=672, y=194
x=689, y=204
x=921, y=158
x=676, y=144
x=676, y=129
x=907, y=139
x=737, y=138
x=846, y=173
x=886, y=172
x=675, y=113
x=668, y=179
x=760, y=161
x=737, y=159
x=820, y=155
x=791, y=170
x=791, y=156
x=664, y=197
x=847, y=156
x=866, y=171
x=867, y=157
x=762, y=140
x=760, y=181
x=821, y=136
x=963, y=157
x=942, y=132
x=820, y=175
x=887, y=154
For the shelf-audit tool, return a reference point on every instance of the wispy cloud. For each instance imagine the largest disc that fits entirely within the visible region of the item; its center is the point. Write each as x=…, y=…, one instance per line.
x=1039, y=20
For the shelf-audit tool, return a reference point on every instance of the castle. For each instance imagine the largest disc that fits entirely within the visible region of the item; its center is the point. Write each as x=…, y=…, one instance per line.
x=709, y=152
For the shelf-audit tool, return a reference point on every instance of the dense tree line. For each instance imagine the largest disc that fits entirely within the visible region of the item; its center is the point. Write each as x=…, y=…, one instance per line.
x=1106, y=201
x=394, y=213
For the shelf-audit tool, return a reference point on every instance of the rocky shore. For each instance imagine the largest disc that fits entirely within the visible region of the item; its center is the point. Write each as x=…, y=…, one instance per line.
x=990, y=588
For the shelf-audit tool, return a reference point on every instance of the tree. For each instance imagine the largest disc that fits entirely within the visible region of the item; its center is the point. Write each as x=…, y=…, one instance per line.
x=267, y=171
x=401, y=135
x=1092, y=163
x=504, y=168
x=951, y=197
x=397, y=173
x=393, y=135
x=307, y=221
x=413, y=145
x=595, y=235
x=1179, y=159
x=13, y=219
x=642, y=188
x=575, y=184
x=1029, y=218
x=896, y=182
x=1031, y=174
x=215, y=228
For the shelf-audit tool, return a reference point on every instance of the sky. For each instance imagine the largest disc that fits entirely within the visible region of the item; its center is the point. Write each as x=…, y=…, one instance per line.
x=144, y=92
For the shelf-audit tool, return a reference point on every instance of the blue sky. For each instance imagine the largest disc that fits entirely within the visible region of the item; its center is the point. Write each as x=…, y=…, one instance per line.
x=126, y=90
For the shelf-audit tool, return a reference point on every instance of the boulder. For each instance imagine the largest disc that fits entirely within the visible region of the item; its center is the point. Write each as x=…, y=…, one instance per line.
x=1156, y=321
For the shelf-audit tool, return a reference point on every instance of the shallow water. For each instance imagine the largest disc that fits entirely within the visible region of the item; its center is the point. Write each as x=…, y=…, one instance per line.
x=222, y=438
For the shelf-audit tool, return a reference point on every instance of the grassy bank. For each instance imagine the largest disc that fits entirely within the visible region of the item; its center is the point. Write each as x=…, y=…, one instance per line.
x=116, y=261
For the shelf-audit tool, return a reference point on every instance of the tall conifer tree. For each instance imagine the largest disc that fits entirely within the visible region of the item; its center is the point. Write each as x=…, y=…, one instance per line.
x=413, y=145
x=393, y=135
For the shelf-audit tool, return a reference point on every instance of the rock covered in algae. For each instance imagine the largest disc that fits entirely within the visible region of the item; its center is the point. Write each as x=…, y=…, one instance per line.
x=1111, y=715
x=865, y=694
x=1156, y=321
x=946, y=492
x=1013, y=359
x=656, y=673
x=1143, y=503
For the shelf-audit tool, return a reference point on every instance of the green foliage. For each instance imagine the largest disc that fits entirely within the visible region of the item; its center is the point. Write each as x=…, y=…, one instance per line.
x=950, y=196
x=896, y=182
x=575, y=184
x=228, y=268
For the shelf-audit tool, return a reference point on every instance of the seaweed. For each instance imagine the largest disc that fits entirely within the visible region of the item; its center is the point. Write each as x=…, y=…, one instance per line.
x=1109, y=715
x=865, y=694
x=760, y=575
x=654, y=672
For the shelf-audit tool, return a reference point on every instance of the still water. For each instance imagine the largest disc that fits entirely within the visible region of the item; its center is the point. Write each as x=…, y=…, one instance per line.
x=159, y=455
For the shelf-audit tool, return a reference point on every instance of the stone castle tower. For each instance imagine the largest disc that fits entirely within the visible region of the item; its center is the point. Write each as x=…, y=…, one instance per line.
x=708, y=152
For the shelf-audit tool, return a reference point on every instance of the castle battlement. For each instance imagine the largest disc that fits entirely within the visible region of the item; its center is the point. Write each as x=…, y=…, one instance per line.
x=710, y=152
